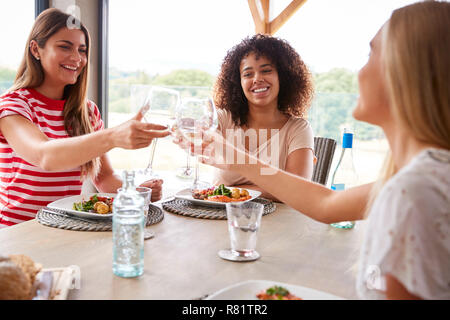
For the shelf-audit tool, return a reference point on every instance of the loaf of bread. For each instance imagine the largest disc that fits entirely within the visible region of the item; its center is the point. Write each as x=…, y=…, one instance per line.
x=17, y=276
x=28, y=266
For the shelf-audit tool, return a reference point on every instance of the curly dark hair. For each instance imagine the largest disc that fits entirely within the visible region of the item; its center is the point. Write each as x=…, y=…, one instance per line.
x=296, y=86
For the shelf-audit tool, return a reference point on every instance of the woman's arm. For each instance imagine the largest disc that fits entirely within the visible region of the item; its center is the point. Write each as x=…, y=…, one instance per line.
x=264, y=194
x=396, y=291
x=108, y=181
x=311, y=199
x=35, y=147
x=300, y=162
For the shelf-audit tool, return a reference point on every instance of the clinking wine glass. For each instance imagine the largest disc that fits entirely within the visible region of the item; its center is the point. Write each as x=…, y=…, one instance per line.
x=185, y=172
x=159, y=107
x=196, y=116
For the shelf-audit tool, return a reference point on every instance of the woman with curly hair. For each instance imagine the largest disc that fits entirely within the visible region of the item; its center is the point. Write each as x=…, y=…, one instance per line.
x=262, y=94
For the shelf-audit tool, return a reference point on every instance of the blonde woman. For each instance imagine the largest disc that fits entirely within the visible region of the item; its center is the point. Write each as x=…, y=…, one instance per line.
x=51, y=135
x=404, y=89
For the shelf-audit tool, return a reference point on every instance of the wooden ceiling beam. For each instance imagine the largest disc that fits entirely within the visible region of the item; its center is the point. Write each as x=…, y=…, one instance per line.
x=266, y=10
x=285, y=15
x=260, y=10
x=258, y=16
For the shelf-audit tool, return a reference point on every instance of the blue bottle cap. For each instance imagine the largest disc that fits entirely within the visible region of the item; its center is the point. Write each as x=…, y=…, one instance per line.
x=347, y=140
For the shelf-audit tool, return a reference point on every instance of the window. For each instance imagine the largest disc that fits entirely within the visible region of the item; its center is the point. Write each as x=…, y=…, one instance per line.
x=16, y=20
x=181, y=44
x=177, y=44
x=333, y=37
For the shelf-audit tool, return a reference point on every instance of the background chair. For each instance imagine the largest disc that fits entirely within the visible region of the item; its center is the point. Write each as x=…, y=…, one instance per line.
x=324, y=151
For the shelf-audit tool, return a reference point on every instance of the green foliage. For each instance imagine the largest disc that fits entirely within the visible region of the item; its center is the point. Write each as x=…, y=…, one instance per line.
x=7, y=77
x=128, y=89
x=7, y=74
x=121, y=105
x=192, y=78
x=336, y=80
x=331, y=110
x=125, y=77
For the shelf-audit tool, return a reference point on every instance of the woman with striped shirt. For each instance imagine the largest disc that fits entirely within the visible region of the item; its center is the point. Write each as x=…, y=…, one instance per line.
x=51, y=136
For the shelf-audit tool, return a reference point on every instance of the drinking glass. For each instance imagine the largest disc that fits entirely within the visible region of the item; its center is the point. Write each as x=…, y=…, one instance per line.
x=145, y=193
x=195, y=117
x=159, y=107
x=244, y=220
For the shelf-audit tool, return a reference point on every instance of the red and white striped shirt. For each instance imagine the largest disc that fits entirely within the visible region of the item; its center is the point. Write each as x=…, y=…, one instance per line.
x=25, y=188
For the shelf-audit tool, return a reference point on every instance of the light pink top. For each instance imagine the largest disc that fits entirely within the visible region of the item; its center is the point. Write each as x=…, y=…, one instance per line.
x=295, y=134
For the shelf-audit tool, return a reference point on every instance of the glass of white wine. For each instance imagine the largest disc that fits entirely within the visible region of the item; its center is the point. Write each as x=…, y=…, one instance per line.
x=196, y=116
x=159, y=107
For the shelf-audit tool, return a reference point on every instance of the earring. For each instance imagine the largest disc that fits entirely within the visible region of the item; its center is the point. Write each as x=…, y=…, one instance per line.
x=37, y=58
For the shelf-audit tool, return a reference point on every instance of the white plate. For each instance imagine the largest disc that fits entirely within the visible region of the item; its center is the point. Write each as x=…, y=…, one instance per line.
x=248, y=290
x=186, y=194
x=66, y=204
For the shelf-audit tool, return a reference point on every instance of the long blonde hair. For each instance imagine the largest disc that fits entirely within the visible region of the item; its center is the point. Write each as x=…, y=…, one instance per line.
x=77, y=117
x=416, y=52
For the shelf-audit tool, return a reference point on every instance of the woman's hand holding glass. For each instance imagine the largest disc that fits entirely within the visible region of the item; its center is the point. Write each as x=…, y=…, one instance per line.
x=195, y=117
x=159, y=108
x=156, y=186
x=135, y=134
x=214, y=149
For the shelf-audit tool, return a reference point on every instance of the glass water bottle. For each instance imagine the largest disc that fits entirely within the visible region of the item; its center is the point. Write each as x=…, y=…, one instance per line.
x=128, y=230
x=344, y=175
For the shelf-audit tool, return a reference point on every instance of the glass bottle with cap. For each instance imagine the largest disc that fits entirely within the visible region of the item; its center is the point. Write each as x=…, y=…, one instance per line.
x=345, y=176
x=128, y=230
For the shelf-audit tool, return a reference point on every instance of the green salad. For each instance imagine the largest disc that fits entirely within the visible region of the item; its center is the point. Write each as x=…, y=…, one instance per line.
x=222, y=191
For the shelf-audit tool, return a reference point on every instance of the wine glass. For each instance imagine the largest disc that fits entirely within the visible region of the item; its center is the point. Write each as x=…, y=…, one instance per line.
x=185, y=172
x=159, y=107
x=196, y=116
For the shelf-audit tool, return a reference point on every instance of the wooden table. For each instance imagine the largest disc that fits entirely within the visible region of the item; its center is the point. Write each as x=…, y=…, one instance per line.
x=181, y=262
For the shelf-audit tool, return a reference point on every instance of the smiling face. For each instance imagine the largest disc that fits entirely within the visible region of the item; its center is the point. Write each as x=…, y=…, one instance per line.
x=259, y=80
x=63, y=57
x=373, y=102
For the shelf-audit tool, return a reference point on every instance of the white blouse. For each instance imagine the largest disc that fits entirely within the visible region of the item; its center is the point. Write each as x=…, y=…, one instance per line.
x=408, y=231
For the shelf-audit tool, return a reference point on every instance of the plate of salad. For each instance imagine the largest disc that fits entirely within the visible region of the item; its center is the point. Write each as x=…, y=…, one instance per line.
x=92, y=205
x=218, y=196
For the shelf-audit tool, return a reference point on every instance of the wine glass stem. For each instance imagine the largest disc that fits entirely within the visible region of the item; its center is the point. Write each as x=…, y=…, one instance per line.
x=152, y=155
x=188, y=162
x=196, y=171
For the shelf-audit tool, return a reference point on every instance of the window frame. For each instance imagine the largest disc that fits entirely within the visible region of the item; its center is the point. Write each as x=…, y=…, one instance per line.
x=40, y=5
x=103, y=61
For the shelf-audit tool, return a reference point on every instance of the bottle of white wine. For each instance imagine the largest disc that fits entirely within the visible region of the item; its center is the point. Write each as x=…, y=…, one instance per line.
x=345, y=176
